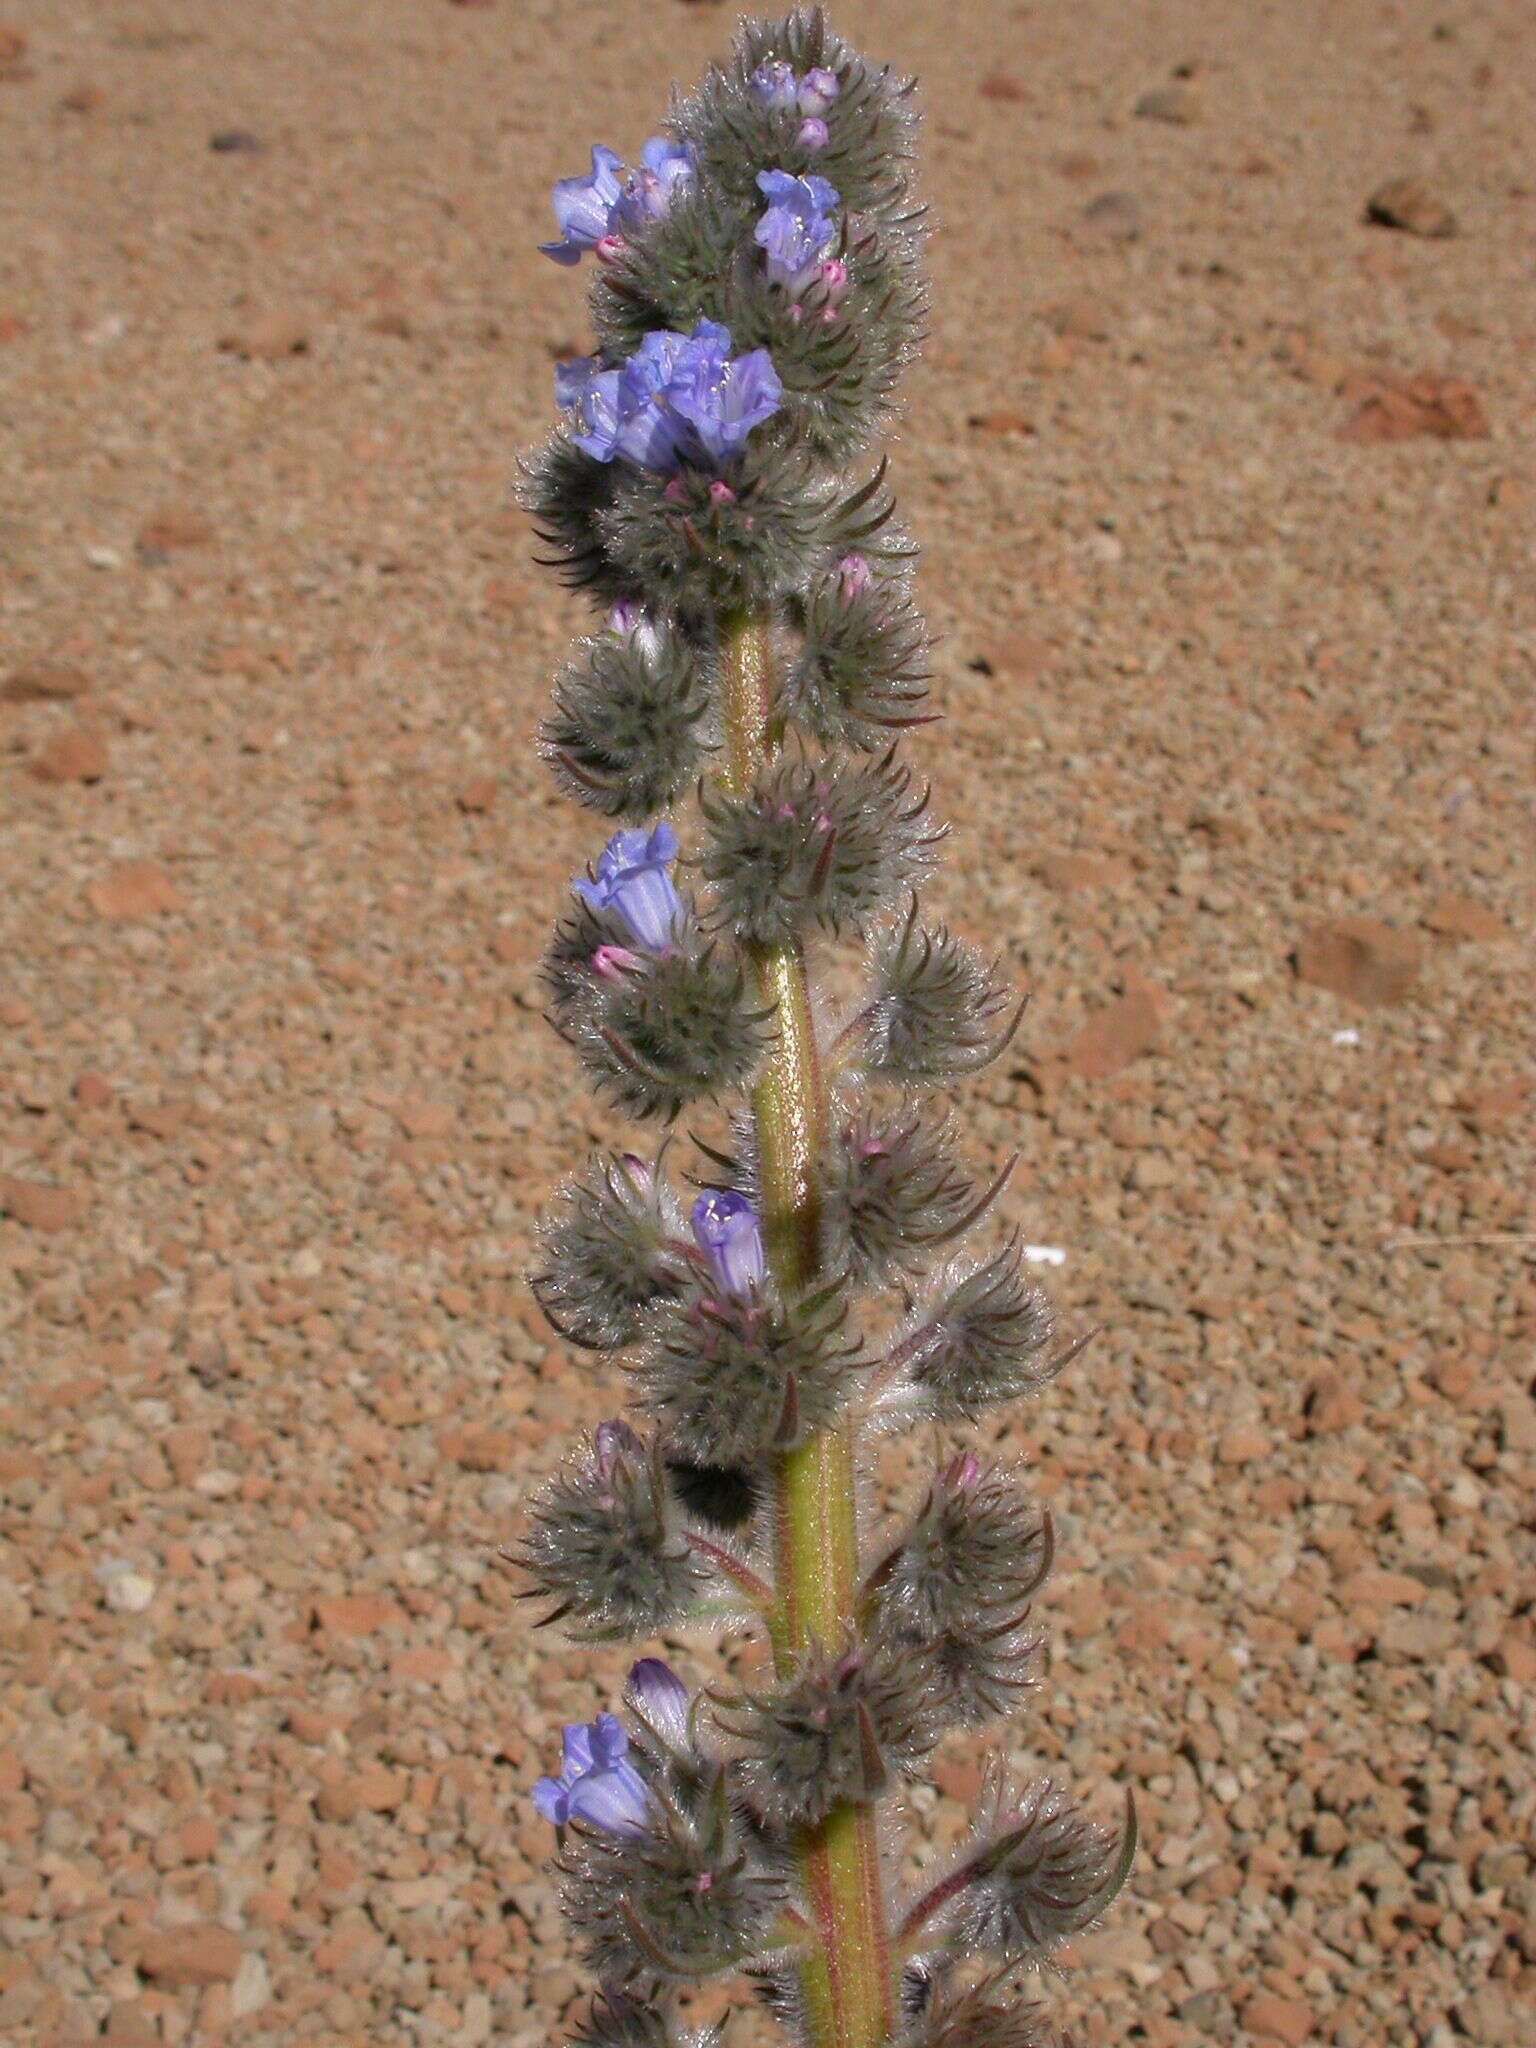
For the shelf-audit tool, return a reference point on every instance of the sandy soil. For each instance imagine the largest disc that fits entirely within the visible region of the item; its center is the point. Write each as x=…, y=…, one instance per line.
x=1227, y=668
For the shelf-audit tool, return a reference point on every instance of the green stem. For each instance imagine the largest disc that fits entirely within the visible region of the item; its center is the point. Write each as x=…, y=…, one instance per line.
x=849, y=1982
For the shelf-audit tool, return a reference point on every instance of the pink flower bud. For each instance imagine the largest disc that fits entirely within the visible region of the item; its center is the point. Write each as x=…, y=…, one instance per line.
x=964, y=1473
x=853, y=577
x=612, y=963
x=833, y=278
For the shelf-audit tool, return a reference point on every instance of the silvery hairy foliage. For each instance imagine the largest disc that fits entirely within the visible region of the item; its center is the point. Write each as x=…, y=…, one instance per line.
x=756, y=288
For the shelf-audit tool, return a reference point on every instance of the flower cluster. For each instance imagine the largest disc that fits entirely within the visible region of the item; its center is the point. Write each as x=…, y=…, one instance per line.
x=811, y=97
x=826, y=1268
x=594, y=212
x=797, y=230
x=679, y=398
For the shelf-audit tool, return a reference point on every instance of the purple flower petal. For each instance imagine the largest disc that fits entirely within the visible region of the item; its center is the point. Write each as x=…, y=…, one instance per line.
x=584, y=207
x=720, y=399
x=552, y=1797
x=612, y=1441
x=633, y=622
x=729, y=1232
x=598, y=1785
x=796, y=230
x=658, y=1697
x=610, y=1745
x=573, y=379
x=664, y=171
x=576, y=1750
x=633, y=879
x=598, y=410
x=818, y=90
x=615, y=1800
x=775, y=84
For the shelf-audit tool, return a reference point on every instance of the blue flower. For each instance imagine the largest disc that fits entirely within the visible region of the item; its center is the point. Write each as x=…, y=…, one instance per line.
x=775, y=84
x=814, y=134
x=633, y=879
x=818, y=89
x=597, y=1783
x=665, y=170
x=796, y=230
x=722, y=399
x=658, y=1699
x=629, y=620
x=591, y=209
x=729, y=1232
x=679, y=398
x=584, y=207
x=649, y=434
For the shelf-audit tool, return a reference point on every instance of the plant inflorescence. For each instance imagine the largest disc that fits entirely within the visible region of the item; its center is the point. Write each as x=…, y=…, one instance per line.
x=757, y=287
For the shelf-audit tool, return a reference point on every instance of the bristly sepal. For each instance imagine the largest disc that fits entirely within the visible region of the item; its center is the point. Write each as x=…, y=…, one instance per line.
x=870, y=126
x=618, y=2021
x=623, y=737
x=566, y=493
x=686, y=1898
x=956, y=1591
x=674, y=274
x=895, y=1195
x=733, y=1380
x=984, y=1337
x=703, y=540
x=842, y=1729
x=656, y=1031
x=823, y=845
x=611, y=1251
x=861, y=672
x=1039, y=1873
x=991, y=2014
x=605, y=1543
x=936, y=1010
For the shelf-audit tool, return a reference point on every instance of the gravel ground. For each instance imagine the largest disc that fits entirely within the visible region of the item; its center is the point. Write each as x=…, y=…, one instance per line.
x=1228, y=496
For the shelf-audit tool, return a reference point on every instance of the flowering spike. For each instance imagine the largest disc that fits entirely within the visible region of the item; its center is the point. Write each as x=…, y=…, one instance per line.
x=712, y=486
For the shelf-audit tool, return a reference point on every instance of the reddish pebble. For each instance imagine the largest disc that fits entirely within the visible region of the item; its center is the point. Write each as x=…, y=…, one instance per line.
x=1288, y=2020
x=478, y=795
x=134, y=889
x=78, y=755
x=179, y=1957
x=40, y=1207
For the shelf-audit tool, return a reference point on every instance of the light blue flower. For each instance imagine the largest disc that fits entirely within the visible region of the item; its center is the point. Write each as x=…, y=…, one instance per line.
x=818, y=89
x=665, y=170
x=796, y=230
x=584, y=207
x=629, y=620
x=720, y=398
x=597, y=1782
x=648, y=431
x=729, y=1232
x=657, y=1698
x=775, y=84
x=679, y=398
x=633, y=878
